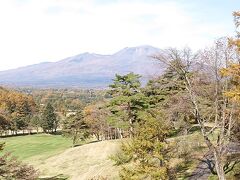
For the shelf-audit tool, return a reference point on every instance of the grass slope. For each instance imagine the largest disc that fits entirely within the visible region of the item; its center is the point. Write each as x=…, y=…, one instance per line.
x=53, y=155
x=84, y=162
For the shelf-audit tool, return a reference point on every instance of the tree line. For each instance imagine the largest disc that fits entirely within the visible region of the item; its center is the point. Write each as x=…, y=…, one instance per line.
x=27, y=110
x=19, y=112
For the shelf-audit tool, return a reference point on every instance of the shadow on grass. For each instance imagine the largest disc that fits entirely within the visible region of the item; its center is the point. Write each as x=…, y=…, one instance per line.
x=77, y=145
x=32, y=133
x=183, y=170
x=58, y=177
x=57, y=133
x=16, y=135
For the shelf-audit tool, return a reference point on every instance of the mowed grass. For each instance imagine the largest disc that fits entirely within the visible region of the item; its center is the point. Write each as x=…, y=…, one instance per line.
x=89, y=161
x=53, y=155
x=35, y=147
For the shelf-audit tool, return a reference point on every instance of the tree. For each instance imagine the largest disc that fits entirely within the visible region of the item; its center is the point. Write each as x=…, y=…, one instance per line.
x=232, y=72
x=95, y=116
x=181, y=62
x=126, y=100
x=4, y=123
x=35, y=122
x=235, y=42
x=146, y=155
x=16, y=107
x=11, y=168
x=75, y=127
x=48, y=118
x=168, y=94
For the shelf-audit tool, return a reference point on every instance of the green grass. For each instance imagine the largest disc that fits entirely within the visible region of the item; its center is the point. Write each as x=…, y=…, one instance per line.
x=32, y=147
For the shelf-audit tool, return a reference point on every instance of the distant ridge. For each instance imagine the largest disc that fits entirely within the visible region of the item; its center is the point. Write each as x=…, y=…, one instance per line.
x=86, y=70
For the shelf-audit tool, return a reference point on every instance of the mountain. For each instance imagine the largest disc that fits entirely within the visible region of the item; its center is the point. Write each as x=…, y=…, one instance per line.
x=85, y=70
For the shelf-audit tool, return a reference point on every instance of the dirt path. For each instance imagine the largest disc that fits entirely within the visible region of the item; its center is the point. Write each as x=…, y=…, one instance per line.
x=84, y=162
x=201, y=172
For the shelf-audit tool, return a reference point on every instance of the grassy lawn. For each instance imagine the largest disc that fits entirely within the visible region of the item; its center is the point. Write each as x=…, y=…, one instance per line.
x=39, y=146
x=54, y=156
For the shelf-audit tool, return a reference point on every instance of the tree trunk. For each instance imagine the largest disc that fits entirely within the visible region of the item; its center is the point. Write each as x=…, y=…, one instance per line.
x=130, y=120
x=215, y=150
x=97, y=136
x=115, y=133
x=110, y=134
x=74, y=140
x=131, y=128
x=230, y=122
x=120, y=132
x=219, y=166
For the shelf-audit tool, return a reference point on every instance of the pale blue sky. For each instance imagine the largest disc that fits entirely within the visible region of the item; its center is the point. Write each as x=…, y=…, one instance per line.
x=34, y=31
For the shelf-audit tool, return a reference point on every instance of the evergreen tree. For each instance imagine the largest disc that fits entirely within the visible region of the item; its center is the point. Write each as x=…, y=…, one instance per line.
x=146, y=155
x=168, y=94
x=161, y=89
x=35, y=122
x=127, y=100
x=48, y=118
x=75, y=127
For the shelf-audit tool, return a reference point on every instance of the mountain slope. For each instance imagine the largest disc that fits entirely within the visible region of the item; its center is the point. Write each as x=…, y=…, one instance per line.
x=85, y=70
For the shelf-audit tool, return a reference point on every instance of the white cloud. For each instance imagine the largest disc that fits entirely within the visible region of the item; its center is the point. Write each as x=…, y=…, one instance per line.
x=32, y=31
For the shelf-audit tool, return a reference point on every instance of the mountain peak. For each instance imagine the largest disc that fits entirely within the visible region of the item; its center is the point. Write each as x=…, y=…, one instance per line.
x=84, y=70
x=138, y=50
x=83, y=56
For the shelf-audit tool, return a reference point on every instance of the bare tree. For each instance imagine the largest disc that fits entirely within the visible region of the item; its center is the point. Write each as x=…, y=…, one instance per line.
x=183, y=62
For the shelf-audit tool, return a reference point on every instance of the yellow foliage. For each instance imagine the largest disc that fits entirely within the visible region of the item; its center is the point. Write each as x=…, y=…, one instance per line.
x=233, y=72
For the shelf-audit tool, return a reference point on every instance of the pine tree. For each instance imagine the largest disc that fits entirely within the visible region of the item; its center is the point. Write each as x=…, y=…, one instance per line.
x=144, y=156
x=48, y=118
x=168, y=94
x=75, y=127
x=127, y=100
x=35, y=122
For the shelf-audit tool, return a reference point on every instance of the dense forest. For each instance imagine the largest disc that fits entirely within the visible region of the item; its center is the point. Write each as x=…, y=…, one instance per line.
x=197, y=96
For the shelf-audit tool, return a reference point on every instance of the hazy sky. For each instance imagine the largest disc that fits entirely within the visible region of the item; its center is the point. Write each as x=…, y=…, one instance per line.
x=33, y=31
